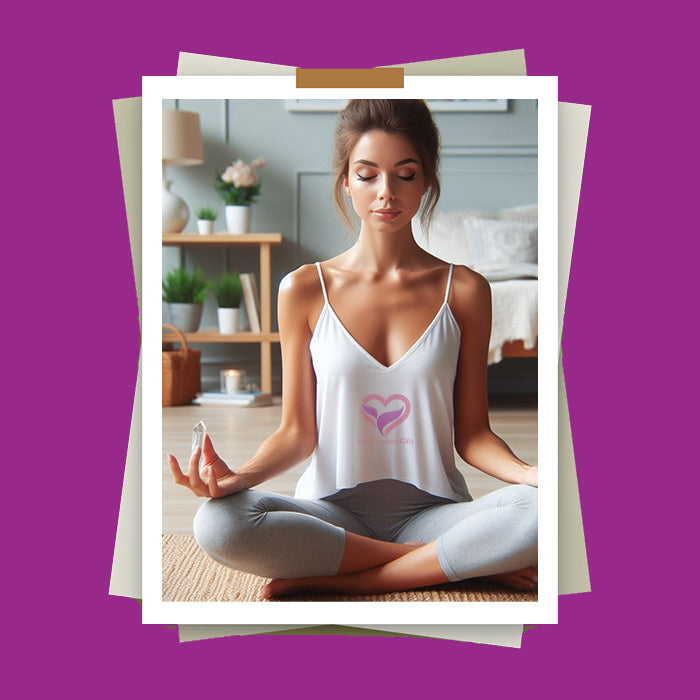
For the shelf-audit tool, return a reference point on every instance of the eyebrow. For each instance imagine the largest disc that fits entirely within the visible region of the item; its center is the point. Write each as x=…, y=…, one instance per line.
x=396, y=165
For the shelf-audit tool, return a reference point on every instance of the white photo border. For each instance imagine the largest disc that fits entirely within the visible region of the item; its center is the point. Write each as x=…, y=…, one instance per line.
x=544, y=610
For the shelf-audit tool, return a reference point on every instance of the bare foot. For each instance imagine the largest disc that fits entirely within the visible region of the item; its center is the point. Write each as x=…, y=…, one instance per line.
x=522, y=580
x=282, y=586
x=340, y=583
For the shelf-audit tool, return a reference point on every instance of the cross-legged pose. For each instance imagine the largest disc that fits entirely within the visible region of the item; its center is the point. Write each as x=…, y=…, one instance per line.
x=384, y=355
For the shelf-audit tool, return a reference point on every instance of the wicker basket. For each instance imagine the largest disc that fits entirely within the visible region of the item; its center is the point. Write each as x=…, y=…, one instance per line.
x=181, y=378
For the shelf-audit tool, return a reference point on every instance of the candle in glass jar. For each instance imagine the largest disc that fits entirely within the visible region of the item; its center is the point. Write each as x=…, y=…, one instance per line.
x=231, y=381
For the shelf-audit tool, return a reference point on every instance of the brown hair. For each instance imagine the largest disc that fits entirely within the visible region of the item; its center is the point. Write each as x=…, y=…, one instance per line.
x=409, y=118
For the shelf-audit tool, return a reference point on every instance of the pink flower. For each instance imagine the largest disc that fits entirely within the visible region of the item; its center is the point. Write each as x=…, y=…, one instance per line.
x=244, y=176
x=228, y=175
x=239, y=174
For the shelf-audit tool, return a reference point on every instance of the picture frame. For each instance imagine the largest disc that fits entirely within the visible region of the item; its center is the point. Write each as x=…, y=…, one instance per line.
x=475, y=105
x=315, y=105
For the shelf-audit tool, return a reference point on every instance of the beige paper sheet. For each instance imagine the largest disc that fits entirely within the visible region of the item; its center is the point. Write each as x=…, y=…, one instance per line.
x=499, y=635
x=126, y=570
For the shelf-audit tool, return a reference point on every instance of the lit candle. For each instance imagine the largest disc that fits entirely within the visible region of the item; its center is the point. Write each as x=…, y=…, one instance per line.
x=230, y=381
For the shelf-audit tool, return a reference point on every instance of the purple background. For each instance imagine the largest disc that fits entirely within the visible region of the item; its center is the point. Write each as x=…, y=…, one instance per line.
x=70, y=293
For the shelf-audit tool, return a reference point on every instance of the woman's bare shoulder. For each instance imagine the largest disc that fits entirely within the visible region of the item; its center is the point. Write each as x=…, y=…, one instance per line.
x=300, y=299
x=471, y=293
x=302, y=283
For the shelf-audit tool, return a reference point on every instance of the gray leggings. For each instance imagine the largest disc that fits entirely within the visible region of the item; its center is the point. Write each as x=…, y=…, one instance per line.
x=281, y=537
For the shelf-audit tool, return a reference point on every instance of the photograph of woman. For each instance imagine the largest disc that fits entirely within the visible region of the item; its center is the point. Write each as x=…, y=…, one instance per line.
x=384, y=357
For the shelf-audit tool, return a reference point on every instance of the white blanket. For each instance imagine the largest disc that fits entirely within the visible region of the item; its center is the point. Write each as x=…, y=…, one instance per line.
x=514, y=315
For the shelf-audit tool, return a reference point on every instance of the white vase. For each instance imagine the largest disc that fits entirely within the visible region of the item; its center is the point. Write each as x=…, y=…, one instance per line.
x=205, y=226
x=175, y=211
x=228, y=320
x=238, y=218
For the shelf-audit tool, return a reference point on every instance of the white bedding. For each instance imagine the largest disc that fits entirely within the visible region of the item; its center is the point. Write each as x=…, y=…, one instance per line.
x=513, y=284
x=514, y=315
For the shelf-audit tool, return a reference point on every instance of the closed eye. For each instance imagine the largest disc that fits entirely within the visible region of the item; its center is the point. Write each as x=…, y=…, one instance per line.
x=407, y=178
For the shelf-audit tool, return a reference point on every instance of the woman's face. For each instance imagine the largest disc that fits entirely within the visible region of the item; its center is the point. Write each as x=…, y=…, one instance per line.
x=385, y=181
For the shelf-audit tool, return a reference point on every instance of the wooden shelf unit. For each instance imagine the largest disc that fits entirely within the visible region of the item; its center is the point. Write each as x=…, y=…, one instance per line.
x=213, y=239
x=267, y=336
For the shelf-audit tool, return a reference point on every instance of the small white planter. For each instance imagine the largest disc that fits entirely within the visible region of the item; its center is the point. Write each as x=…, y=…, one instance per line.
x=237, y=219
x=205, y=226
x=228, y=320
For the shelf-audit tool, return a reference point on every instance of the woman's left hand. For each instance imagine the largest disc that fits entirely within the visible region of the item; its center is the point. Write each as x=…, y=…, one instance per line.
x=530, y=476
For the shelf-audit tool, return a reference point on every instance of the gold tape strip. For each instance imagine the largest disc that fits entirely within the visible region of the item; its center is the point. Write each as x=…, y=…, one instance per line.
x=350, y=77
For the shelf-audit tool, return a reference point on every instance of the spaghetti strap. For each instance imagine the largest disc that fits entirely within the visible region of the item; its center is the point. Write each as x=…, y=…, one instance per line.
x=449, y=283
x=323, y=285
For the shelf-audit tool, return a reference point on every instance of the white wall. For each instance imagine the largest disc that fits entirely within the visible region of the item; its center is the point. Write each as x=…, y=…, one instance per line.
x=489, y=160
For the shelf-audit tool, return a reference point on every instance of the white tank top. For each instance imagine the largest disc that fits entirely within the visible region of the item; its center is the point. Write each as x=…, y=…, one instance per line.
x=377, y=422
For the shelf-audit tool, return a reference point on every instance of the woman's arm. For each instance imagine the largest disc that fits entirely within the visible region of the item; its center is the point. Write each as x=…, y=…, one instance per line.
x=475, y=442
x=295, y=438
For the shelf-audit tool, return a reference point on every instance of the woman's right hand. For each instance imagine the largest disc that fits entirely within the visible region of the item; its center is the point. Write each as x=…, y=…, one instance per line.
x=215, y=479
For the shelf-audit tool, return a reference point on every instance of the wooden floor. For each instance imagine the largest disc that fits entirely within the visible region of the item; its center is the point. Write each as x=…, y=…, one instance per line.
x=237, y=433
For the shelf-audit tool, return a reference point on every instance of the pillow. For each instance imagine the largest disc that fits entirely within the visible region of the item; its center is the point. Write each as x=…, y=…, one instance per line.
x=447, y=237
x=447, y=243
x=497, y=242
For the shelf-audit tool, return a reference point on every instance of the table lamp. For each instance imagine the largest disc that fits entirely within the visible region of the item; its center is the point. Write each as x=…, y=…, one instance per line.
x=182, y=146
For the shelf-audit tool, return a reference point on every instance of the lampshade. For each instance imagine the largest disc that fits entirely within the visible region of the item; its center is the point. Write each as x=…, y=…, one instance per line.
x=182, y=138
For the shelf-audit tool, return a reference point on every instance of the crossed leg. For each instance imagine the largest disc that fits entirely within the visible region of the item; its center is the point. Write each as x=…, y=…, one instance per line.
x=418, y=567
x=494, y=537
x=282, y=537
x=315, y=545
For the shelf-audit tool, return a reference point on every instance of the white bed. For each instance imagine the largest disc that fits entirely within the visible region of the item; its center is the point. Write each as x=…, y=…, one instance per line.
x=502, y=246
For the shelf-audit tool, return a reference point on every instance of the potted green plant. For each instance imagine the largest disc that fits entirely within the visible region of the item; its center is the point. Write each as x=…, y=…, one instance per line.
x=239, y=187
x=206, y=217
x=228, y=292
x=184, y=294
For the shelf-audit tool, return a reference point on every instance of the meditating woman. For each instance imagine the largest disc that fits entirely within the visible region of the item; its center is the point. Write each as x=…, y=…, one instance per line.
x=384, y=355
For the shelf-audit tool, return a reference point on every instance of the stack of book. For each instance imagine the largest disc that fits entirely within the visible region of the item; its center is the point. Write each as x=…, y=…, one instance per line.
x=241, y=398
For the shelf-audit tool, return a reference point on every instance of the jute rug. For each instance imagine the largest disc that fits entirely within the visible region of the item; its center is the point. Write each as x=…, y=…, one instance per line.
x=190, y=575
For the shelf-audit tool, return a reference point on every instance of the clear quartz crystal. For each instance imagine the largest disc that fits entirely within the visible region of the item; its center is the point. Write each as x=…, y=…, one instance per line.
x=198, y=433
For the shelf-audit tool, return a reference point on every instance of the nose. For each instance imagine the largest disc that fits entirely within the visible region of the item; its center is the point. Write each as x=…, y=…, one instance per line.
x=385, y=191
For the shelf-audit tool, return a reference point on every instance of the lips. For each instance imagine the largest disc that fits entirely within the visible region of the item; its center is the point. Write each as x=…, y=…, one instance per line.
x=386, y=214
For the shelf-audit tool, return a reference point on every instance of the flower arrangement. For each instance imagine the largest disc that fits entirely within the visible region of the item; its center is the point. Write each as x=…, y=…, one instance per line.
x=239, y=185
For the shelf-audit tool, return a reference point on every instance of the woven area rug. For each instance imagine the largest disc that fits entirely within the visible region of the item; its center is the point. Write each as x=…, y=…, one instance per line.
x=190, y=575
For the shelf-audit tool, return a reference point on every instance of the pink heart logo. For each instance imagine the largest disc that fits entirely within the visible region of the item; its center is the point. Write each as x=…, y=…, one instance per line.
x=385, y=414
